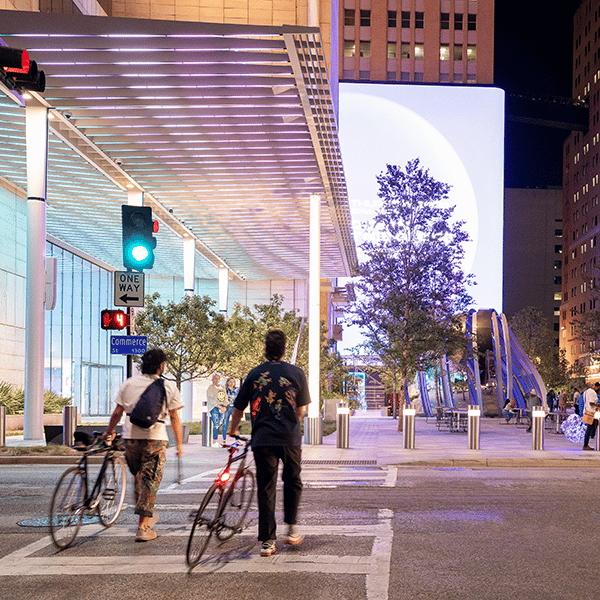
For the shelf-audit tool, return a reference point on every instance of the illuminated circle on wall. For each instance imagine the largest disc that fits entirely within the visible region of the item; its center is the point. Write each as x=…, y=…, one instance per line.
x=380, y=132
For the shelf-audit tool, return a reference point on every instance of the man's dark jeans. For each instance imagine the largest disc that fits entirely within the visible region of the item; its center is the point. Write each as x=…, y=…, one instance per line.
x=267, y=460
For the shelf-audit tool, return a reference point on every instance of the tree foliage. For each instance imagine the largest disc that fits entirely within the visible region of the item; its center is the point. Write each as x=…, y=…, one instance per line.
x=190, y=332
x=412, y=289
x=535, y=335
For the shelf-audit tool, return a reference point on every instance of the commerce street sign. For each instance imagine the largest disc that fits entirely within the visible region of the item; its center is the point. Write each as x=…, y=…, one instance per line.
x=128, y=344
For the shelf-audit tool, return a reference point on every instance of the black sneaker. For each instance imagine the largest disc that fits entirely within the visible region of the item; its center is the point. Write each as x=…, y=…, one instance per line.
x=587, y=448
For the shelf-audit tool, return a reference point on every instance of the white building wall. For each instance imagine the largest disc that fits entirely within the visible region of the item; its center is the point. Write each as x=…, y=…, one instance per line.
x=13, y=255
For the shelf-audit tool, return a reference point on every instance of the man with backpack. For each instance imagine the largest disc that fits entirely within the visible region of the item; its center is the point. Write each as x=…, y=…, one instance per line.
x=151, y=399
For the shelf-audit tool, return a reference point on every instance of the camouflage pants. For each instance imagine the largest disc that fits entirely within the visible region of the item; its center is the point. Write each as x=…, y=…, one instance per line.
x=146, y=461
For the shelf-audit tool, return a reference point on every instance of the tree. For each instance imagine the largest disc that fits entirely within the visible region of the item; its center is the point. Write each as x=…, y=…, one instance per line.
x=533, y=332
x=411, y=288
x=190, y=332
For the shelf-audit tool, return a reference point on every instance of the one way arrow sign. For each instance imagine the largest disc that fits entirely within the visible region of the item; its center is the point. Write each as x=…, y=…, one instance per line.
x=129, y=289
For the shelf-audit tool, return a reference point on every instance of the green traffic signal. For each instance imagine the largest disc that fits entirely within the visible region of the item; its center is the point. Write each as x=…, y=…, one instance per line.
x=138, y=241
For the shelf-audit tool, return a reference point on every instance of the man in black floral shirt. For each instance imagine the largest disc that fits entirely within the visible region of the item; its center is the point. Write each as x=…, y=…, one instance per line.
x=277, y=393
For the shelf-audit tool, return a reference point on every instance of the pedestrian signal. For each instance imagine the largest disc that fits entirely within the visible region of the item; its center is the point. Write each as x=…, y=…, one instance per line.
x=113, y=319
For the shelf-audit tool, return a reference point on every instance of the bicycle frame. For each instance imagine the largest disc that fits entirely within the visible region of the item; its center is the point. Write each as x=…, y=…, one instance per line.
x=90, y=500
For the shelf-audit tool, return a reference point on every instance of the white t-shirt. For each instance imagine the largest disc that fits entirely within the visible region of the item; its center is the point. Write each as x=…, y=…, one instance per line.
x=130, y=393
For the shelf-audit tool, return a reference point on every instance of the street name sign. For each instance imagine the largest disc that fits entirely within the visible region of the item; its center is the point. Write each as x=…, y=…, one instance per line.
x=128, y=344
x=129, y=288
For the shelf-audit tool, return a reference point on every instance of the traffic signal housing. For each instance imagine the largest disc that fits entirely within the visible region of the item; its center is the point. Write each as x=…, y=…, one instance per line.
x=113, y=319
x=138, y=241
x=20, y=73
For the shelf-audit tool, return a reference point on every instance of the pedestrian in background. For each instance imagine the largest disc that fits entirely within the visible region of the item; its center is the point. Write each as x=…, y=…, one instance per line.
x=145, y=448
x=590, y=400
x=576, y=401
x=232, y=391
x=532, y=400
x=562, y=401
x=216, y=398
x=277, y=393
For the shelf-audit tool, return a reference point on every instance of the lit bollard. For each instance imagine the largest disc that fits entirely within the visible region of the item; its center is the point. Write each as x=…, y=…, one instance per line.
x=313, y=431
x=537, y=426
x=2, y=425
x=206, y=424
x=597, y=418
x=473, y=426
x=343, y=425
x=69, y=425
x=408, y=427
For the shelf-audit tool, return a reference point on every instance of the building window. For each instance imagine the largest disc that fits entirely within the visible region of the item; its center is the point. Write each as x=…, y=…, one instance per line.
x=365, y=18
x=558, y=295
x=419, y=52
x=349, y=17
x=471, y=53
x=419, y=20
x=392, y=19
x=557, y=280
x=405, y=19
x=391, y=50
x=349, y=47
x=445, y=21
x=444, y=52
x=558, y=249
x=364, y=75
x=458, y=52
x=365, y=49
x=458, y=21
x=472, y=22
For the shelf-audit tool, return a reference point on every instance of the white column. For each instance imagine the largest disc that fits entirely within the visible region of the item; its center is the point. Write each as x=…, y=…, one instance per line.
x=189, y=265
x=36, y=119
x=313, y=13
x=135, y=198
x=189, y=272
x=223, y=289
x=313, y=425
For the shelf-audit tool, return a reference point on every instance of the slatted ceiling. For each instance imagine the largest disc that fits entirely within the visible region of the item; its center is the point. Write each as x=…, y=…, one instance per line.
x=210, y=121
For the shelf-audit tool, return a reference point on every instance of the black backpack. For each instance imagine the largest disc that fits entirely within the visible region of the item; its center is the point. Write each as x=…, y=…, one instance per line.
x=150, y=405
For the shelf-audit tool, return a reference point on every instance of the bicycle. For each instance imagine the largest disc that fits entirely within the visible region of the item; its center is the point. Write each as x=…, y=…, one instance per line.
x=225, y=505
x=71, y=498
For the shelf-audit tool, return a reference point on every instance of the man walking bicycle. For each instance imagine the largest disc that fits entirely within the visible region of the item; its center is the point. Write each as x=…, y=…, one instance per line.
x=277, y=393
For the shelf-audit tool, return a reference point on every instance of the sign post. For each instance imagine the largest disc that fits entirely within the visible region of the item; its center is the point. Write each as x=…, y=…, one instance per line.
x=129, y=289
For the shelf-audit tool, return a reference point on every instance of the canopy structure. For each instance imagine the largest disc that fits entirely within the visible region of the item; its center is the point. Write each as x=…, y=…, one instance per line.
x=226, y=129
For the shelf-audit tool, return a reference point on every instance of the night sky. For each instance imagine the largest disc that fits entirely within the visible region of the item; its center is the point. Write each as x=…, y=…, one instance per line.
x=533, y=55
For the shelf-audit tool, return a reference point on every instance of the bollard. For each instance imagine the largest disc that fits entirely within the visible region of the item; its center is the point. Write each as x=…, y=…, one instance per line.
x=537, y=426
x=343, y=425
x=313, y=431
x=408, y=427
x=597, y=418
x=474, y=426
x=2, y=425
x=206, y=425
x=69, y=425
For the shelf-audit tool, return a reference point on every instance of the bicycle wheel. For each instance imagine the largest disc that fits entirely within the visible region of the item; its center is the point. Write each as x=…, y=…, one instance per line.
x=66, y=508
x=203, y=525
x=112, y=490
x=237, y=502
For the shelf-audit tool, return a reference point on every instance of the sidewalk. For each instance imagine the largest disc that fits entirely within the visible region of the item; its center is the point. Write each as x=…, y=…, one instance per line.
x=376, y=440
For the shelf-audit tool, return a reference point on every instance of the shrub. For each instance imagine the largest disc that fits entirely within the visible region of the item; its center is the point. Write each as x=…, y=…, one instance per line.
x=13, y=399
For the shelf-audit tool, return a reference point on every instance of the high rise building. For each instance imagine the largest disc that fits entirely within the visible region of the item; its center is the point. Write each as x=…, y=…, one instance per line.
x=581, y=192
x=420, y=41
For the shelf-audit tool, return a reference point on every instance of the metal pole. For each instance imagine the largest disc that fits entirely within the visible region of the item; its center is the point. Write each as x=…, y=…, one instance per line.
x=313, y=430
x=206, y=424
x=474, y=426
x=2, y=425
x=69, y=425
x=537, y=426
x=408, y=427
x=343, y=425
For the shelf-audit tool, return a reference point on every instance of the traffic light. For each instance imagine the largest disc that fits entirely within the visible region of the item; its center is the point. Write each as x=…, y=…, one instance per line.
x=138, y=241
x=113, y=319
x=20, y=73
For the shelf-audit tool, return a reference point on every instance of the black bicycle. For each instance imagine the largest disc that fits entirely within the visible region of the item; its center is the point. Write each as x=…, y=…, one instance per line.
x=225, y=505
x=72, y=497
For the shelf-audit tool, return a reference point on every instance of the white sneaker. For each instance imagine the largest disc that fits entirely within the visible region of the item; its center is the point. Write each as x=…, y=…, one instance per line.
x=293, y=537
x=216, y=444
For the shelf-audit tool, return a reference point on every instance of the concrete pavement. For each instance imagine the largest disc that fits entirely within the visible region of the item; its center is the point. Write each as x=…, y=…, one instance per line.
x=376, y=440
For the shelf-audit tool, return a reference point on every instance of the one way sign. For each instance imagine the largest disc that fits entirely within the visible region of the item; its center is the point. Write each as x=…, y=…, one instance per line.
x=129, y=288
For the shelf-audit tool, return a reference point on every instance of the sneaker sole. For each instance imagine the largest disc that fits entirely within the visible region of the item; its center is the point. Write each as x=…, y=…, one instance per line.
x=294, y=542
x=267, y=552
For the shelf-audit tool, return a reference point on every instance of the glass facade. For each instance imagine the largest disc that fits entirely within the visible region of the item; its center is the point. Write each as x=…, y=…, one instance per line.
x=78, y=362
